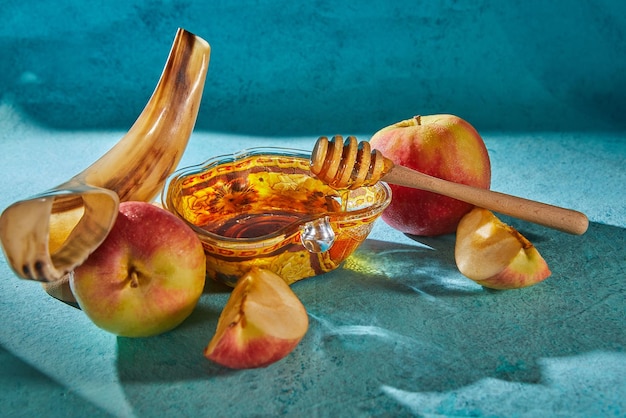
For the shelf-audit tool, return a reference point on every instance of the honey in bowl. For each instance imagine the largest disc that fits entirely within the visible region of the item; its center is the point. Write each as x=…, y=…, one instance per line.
x=263, y=208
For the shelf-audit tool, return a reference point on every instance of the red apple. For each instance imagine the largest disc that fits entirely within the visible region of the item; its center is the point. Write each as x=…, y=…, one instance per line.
x=146, y=277
x=496, y=255
x=443, y=146
x=262, y=322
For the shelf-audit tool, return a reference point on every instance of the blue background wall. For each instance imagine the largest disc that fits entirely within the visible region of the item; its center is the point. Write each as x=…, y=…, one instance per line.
x=323, y=67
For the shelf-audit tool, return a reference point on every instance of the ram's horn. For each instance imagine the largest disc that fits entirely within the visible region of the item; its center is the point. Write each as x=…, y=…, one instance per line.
x=45, y=237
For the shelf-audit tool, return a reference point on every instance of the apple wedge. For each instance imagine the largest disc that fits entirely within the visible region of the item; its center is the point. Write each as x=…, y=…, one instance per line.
x=262, y=322
x=496, y=255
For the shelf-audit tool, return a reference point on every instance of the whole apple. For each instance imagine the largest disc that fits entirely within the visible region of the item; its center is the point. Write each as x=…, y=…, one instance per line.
x=146, y=277
x=443, y=146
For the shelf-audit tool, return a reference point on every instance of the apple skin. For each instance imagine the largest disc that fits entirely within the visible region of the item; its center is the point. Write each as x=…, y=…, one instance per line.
x=443, y=146
x=146, y=277
x=496, y=255
x=262, y=322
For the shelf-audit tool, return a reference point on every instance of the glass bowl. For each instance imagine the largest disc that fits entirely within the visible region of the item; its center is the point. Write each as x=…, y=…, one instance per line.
x=262, y=207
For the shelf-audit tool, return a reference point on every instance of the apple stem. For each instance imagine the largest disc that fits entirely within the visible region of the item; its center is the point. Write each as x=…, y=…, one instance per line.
x=418, y=119
x=134, y=279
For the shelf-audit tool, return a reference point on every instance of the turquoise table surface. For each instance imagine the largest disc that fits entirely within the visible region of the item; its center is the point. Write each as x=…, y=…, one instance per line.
x=396, y=330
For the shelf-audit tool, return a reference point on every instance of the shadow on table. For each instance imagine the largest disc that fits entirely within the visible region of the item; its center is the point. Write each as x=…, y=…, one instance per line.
x=401, y=316
x=27, y=391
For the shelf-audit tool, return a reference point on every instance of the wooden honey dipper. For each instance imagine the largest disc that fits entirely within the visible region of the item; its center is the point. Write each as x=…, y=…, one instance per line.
x=349, y=165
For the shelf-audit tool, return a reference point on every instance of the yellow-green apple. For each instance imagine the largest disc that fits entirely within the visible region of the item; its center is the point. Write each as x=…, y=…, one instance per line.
x=262, y=321
x=443, y=146
x=146, y=277
x=496, y=255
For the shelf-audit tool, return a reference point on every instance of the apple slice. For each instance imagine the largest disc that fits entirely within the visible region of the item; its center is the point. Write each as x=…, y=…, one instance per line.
x=262, y=321
x=496, y=255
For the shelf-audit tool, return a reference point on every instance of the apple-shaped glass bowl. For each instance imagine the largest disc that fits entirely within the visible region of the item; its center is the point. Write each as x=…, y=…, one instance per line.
x=262, y=207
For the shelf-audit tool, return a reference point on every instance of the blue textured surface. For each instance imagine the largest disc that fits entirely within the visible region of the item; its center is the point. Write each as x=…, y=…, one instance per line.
x=285, y=68
x=397, y=330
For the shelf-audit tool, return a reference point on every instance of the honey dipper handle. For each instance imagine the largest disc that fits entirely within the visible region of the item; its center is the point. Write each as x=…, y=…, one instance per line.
x=565, y=220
